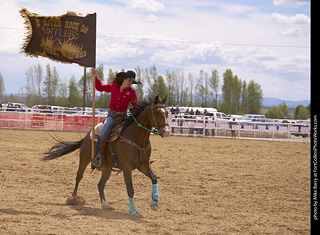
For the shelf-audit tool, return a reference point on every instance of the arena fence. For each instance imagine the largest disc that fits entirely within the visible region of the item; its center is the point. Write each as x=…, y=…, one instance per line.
x=47, y=121
x=270, y=130
x=196, y=126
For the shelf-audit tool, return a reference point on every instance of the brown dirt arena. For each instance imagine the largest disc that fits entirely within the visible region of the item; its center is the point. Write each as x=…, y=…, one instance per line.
x=207, y=186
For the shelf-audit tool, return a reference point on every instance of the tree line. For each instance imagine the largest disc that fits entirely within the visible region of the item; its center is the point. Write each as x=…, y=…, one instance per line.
x=282, y=111
x=204, y=89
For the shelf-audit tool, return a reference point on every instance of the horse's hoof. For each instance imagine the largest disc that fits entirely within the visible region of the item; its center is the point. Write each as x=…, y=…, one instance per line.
x=154, y=205
x=134, y=213
x=105, y=206
x=76, y=200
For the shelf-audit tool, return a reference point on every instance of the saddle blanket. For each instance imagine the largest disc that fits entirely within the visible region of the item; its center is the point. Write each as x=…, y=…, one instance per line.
x=97, y=130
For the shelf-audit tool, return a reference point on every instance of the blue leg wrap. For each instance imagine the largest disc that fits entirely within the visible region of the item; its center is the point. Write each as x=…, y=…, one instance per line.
x=155, y=192
x=155, y=197
x=132, y=208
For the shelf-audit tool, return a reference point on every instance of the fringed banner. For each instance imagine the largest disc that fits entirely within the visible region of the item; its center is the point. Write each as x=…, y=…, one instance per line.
x=69, y=38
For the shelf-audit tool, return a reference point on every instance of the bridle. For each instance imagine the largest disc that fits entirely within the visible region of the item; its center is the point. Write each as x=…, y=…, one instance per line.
x=157, y=127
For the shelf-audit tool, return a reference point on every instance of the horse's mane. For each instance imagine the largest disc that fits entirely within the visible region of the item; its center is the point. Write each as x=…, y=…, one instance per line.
x=140, y=106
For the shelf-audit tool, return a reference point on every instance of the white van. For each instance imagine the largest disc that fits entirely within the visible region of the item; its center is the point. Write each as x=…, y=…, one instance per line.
x=217, y=115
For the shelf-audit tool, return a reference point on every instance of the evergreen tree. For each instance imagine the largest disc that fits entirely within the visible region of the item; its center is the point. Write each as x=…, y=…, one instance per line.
x=74, y=97
x=54, y=86
x=244, y=98
x=163, y=90
x=62, y=99
x=254, y=97
x=301, y=112
x=225, y=105
x=50, y=85
x=214, y=84
x=47, y=90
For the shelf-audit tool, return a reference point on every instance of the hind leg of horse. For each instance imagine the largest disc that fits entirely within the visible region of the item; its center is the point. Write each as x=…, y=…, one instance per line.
x=106, y=172
x=127, y=173
x=84, y=162
x=146, y=169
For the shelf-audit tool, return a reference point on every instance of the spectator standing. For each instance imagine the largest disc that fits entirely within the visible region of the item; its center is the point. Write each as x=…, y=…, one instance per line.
x=177, y=110
x=172, y=110
x=191, y=123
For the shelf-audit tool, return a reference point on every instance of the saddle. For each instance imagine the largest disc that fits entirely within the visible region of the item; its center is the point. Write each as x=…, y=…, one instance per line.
x=111, y=137
x=114, y=133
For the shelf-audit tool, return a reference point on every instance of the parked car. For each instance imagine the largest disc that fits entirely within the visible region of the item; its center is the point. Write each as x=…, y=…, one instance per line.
x=57, y=109
x=19, y=107
x=42, y=108
x=254, y=120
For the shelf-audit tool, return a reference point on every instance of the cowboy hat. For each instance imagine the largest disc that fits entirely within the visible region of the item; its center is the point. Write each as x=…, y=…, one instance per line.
x=128, y=74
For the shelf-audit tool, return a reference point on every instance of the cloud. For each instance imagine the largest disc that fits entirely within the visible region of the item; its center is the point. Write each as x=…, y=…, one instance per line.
x=301, y=19
x=151, y=18
x=291, y=3
x=146, y=5
x=293, y=26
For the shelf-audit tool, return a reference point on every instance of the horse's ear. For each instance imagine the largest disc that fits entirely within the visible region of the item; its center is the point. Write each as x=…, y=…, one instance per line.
x=164, y=100
x=156, y=100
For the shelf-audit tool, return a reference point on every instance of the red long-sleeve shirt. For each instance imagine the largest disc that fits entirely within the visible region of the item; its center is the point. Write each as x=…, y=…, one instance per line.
x=119, y=100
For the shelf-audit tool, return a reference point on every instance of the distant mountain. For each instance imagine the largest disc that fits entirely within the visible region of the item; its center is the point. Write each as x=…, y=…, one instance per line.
x=268, y=101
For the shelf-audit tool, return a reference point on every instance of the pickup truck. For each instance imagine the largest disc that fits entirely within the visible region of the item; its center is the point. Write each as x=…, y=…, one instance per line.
x=254, y=120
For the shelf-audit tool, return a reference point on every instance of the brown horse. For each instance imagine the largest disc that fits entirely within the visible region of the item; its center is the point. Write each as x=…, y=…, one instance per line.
x=132, y=147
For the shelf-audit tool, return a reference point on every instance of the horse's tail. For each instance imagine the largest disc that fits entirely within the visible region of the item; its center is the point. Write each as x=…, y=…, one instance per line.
x=61, y=148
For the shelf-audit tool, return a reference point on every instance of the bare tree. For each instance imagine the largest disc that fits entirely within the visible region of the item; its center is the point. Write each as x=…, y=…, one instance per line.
x=192, y=82
x=38, y=74
x=31, y=82
x=181, y=85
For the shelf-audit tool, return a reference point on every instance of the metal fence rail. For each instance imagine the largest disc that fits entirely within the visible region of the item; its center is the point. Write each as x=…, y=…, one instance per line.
x=199, y=126
x=271, y=130
x=47, y=121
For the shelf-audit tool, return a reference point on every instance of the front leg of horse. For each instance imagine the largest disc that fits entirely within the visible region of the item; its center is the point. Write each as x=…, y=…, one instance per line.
x=127, y=173
x=155, y=190
x=155, y=197
x=146, y=169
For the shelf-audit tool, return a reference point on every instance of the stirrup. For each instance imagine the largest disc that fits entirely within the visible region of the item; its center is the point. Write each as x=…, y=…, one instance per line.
x=96, y=163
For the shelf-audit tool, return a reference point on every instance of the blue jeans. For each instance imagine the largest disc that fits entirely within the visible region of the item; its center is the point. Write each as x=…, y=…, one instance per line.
x=106, y=128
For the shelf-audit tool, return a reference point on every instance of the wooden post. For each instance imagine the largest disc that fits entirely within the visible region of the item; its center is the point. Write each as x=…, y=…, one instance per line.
x=84, y=91
x=93, y=114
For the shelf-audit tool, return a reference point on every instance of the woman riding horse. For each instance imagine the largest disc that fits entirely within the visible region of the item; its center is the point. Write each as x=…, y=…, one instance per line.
x=121, y=95
x=132, y=147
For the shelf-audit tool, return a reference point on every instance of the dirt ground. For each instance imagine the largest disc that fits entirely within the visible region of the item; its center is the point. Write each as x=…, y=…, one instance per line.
x=206, y=185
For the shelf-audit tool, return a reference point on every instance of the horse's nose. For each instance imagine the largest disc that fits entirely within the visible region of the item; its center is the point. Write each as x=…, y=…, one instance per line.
x=166, y=131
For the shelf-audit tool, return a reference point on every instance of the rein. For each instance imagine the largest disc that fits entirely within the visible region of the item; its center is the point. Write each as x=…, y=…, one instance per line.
x=155, y=131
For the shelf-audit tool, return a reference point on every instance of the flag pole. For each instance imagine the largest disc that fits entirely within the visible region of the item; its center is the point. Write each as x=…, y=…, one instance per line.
x=93, y=115
x=94, y=92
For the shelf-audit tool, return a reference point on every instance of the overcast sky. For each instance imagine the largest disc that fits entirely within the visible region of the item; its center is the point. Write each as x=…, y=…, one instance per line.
x=267, y=41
